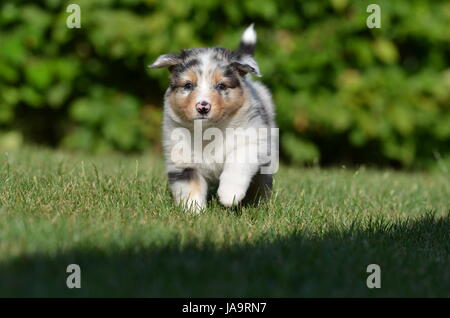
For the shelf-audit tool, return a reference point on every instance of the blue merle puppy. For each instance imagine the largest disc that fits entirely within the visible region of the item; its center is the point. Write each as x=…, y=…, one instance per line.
x=213, y=87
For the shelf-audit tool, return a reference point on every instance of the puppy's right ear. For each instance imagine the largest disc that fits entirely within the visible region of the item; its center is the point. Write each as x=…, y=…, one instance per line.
x=166, y=60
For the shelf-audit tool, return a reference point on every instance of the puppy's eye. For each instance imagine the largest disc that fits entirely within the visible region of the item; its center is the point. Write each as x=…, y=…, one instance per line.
x=221, y=86
x=188, y=86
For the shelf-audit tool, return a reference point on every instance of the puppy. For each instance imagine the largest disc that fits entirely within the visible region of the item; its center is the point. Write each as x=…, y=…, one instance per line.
x=210, y=95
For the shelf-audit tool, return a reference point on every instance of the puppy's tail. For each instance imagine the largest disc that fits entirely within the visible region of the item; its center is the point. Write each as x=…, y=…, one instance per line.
x=248, y=41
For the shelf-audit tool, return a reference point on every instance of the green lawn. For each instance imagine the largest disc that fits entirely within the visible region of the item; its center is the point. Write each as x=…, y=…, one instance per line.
x=113, y=216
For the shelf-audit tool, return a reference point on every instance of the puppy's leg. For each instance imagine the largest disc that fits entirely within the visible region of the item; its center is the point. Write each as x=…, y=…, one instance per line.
x=189, y=188
x=259, y=189
x=234, y=182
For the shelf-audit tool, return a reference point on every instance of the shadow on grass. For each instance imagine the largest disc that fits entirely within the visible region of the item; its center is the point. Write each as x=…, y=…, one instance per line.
x=414, y=257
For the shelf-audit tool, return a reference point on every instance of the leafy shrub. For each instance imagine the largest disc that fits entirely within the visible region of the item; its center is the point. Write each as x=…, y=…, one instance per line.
x=344, y=93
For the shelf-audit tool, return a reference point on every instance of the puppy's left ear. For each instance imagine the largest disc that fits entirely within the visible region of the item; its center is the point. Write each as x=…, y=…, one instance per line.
x=166, y=60
x=247, y=64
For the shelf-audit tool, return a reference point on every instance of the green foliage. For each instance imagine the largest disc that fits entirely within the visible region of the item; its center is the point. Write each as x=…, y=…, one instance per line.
x=344, y=93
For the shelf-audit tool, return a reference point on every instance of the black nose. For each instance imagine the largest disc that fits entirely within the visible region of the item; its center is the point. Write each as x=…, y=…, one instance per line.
x=203, y=108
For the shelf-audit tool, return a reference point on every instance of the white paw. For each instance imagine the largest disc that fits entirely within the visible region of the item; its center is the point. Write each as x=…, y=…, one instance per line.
x=230, y=195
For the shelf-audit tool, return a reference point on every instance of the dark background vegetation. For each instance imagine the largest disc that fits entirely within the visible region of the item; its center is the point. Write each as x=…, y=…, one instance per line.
x=344, y=93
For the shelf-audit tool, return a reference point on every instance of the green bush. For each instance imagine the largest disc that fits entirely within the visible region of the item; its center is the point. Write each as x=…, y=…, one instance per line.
x=344, y=93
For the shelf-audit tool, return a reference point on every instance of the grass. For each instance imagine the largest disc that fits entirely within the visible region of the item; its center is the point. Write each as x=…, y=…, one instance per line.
x=113, y=216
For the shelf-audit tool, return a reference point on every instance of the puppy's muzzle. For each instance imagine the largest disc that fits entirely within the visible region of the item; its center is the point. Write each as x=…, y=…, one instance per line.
x=203, y=107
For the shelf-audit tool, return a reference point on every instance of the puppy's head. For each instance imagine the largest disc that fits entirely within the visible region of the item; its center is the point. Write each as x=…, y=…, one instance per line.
x=206, y=83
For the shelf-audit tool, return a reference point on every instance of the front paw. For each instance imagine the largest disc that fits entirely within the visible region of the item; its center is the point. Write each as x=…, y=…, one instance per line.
x=230, y=195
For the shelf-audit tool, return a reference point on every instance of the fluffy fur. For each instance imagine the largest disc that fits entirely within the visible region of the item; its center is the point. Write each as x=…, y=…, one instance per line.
x=220, y=79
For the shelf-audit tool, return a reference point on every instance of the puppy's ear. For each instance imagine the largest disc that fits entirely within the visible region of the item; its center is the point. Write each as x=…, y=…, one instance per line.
x=166, y=60
x=246, y=64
